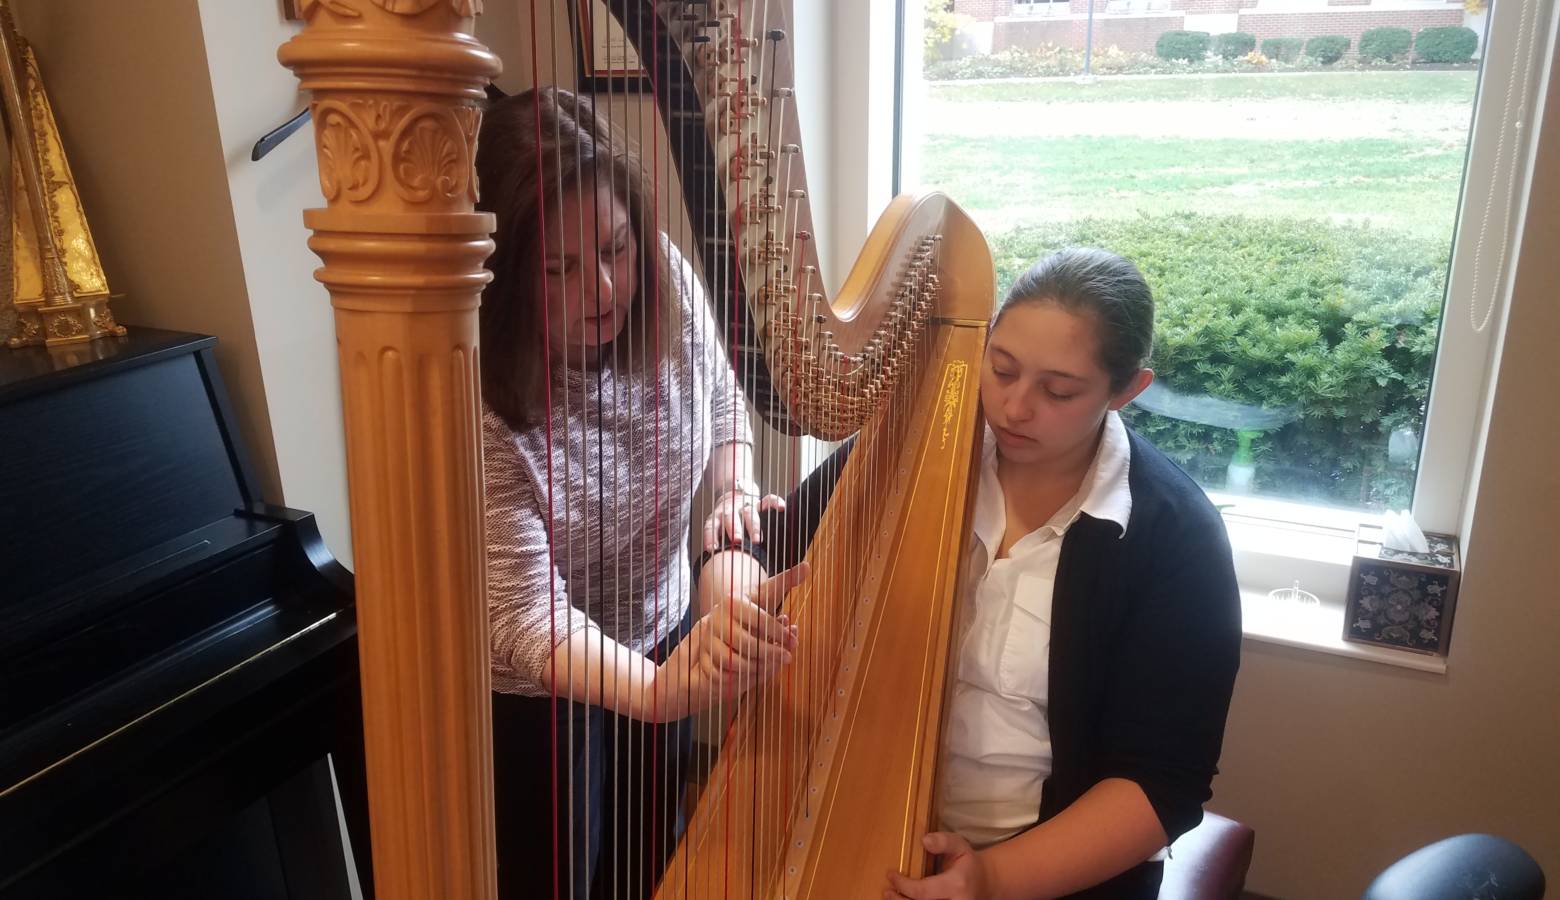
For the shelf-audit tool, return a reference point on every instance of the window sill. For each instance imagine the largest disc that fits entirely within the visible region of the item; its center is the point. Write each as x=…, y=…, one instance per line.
x=1278, y=545
x=1319, y=629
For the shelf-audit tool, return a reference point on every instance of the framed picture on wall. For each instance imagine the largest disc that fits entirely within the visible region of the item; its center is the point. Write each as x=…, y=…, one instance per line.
x=608, y=59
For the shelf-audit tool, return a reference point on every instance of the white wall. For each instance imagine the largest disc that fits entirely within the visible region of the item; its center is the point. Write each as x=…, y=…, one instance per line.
x=813, y=50
x=859, y=88
x=290, y=313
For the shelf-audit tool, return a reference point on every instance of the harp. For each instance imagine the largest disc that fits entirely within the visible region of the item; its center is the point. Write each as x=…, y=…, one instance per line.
x=825, y=776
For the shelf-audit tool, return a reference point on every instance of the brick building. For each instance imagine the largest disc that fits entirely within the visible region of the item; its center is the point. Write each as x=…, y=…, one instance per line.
x=1137, y=24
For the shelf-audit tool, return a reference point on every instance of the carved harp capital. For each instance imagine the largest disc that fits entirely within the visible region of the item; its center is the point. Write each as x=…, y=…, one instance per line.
x=397, y=86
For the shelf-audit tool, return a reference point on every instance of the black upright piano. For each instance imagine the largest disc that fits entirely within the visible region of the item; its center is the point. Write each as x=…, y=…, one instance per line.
x=177, y=657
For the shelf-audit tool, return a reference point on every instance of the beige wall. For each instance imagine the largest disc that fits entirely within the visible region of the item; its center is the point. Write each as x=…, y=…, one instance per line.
x=1344, y=766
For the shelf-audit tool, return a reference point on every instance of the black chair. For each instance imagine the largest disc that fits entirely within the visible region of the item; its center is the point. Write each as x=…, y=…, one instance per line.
x=1465, y=867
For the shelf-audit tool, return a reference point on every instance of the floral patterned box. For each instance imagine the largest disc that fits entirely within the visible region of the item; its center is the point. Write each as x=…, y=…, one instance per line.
x=1401, y=599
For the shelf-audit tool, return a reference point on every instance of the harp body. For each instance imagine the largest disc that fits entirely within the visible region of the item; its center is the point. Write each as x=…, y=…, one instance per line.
x=826, y=775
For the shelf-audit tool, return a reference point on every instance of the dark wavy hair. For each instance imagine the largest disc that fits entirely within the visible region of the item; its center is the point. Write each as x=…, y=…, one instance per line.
x=533, y=148
x=1107, y=286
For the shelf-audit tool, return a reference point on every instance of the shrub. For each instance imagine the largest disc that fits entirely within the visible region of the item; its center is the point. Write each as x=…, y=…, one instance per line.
x=941, y=27
x=1050, y=60
x=1449, y=44
x=1385, y=44
x=1282, y=49
x=1234, y=44
x=1337, y=322
x=1327, y=49
x=1191, y=46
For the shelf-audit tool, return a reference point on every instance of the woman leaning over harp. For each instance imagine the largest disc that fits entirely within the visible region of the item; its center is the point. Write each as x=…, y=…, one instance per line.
x=608, y=401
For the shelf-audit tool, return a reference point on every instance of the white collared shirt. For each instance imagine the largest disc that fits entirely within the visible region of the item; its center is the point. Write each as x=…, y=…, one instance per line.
x=997, y=740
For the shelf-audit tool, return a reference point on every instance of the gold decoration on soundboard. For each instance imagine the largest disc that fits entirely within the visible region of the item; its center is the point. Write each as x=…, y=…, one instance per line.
x=952, y=398
x=56, y=283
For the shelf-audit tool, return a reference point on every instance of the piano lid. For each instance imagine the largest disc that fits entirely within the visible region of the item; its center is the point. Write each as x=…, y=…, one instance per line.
x=118, y=460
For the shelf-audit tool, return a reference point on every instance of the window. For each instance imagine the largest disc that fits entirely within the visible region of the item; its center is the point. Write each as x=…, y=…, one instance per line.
x=1323, y=218
x=1330, y=241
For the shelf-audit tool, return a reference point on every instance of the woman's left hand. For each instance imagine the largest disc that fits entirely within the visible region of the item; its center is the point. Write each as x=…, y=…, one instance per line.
x=961, y=876
x=736, y=514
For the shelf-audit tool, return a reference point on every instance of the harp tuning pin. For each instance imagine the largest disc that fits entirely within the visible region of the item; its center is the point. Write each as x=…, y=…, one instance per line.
x=797, y=193
x=784, y=93
x=804, y=235
x=776, y=34
x=790, y=148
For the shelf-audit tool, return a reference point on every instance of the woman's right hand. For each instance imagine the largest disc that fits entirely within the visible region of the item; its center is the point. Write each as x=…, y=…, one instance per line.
x=738, y=645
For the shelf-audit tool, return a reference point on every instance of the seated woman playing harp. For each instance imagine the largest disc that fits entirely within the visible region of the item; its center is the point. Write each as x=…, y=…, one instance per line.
x=1103, y=630
x=608, y=402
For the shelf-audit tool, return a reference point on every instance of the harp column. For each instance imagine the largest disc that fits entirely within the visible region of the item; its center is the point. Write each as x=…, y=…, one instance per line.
x=395, y=91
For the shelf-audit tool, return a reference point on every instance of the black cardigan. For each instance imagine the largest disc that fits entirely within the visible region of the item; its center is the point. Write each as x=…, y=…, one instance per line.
x=1145, y=642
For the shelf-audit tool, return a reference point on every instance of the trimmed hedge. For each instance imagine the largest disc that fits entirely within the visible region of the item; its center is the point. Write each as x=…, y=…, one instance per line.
x=1191, y=46
x=1283, y=49
x=1234, y=45
x=1448, y=44
x=1336, y=321
x=1385, y=44
x=1327, y=49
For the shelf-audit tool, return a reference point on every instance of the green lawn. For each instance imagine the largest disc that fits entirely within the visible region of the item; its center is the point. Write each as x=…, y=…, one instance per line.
x=1403, y=87
x=1006, y=180
x=1385, y=148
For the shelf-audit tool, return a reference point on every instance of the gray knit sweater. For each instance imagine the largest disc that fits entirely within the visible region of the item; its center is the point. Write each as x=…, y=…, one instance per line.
x=602, y=537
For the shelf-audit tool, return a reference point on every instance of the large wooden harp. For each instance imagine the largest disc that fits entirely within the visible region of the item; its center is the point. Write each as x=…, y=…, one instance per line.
x=825, y=777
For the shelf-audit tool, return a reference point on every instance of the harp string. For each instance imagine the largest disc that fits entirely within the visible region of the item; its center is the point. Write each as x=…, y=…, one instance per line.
x=574, y=473
x=552, y=606
x=622, y=743
x=652, y=227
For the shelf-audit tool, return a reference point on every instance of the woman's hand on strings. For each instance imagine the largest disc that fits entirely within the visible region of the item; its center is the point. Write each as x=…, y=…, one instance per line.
x=962, y=873
x=751, y=641
x=736, y=515
x=738, y=644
